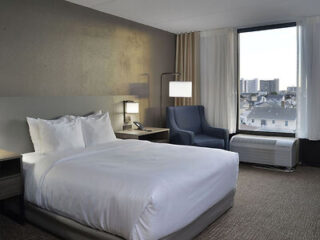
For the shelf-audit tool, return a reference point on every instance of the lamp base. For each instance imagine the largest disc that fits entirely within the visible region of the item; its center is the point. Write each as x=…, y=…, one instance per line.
x=127, y=127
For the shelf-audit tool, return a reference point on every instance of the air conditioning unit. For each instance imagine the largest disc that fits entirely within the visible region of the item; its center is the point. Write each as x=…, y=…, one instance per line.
x=275, y=151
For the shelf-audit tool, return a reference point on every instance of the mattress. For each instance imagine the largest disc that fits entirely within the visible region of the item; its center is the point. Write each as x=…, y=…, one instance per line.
x=130, y=188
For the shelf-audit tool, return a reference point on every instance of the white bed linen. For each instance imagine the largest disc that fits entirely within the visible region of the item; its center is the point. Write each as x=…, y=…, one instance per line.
x=134, y=189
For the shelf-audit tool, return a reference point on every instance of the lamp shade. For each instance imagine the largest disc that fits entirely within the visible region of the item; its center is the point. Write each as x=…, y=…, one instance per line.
x=180, y=89
x=132, y=107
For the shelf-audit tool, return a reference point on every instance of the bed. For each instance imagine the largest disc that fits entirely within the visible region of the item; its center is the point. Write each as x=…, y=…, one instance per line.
x=132, y=189
x=129, y=189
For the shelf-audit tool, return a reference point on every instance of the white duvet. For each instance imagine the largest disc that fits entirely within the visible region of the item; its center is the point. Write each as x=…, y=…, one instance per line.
x=134, y=189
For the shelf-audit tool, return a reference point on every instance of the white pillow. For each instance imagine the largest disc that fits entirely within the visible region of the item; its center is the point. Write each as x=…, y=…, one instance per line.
x=34, y=130
x=97, y=130
x=73, y=117
x=34, y=133
x=59, y=136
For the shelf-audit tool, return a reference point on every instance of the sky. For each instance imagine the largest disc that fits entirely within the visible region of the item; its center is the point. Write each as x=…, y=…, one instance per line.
x=269, y=54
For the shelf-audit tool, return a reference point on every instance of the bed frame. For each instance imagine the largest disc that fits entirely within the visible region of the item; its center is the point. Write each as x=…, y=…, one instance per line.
x=15, y=137
x=72, y=230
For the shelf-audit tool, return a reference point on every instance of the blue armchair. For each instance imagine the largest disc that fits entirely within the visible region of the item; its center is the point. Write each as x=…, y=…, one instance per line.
x=188, y=126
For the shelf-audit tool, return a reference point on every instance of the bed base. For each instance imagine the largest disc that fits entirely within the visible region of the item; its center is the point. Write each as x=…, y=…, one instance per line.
x=72, y=230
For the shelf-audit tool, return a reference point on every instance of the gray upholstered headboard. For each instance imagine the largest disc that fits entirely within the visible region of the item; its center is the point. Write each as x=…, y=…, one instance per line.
x=14, y=132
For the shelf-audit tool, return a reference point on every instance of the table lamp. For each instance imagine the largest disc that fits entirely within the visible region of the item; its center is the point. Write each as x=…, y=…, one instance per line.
x=129, y=107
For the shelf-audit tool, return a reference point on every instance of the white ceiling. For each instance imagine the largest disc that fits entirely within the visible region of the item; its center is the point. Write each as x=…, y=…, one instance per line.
x=194, y=15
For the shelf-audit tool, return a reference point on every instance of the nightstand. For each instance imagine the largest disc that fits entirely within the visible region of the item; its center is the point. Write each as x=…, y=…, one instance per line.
x=160, y=135
x=11, y=183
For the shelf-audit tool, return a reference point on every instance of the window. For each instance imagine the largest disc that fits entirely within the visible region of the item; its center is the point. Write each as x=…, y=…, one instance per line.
x=268, y=78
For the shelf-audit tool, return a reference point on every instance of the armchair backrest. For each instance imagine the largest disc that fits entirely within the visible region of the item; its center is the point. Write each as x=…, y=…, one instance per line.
x=186, y=117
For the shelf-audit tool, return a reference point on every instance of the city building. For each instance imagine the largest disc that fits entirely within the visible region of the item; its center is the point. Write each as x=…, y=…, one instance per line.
x=241, y=85
x=270, y=86
x=249, y=86
x=291, y=89
x=272, y=118
x=275, y=99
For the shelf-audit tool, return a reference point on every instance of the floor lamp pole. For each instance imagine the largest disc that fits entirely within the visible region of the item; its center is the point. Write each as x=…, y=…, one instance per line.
x=162, y=78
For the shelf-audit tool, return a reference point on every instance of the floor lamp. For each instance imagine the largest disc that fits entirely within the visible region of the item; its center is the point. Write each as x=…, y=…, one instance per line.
x=176, y=88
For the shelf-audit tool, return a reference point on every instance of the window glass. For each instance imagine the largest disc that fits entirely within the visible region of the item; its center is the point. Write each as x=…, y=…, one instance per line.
x=268, y=80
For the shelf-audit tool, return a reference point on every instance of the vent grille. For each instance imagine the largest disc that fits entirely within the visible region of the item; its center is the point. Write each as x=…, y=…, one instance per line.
x=265, y=150
x=262, y=141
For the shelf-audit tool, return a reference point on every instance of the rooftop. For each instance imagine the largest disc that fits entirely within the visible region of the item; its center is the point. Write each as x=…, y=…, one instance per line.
x=273, y=112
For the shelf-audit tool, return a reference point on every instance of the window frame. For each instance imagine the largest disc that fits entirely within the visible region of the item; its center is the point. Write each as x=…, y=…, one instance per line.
x=254, y=29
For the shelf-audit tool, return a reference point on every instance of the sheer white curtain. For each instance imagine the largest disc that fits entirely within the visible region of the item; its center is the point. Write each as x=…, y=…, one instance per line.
x=308, y=92
x=218, y=73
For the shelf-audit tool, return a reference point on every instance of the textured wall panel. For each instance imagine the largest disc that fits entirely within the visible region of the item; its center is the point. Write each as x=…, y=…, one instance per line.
x=56, y=48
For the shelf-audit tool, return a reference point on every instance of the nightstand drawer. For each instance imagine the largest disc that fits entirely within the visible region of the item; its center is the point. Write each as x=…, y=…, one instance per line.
x=10, y=186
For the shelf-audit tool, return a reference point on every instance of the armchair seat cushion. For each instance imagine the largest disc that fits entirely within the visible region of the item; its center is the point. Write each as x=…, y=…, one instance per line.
x=202, y=140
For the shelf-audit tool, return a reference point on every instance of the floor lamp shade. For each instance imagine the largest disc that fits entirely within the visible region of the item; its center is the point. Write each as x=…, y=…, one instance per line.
x=180, y=89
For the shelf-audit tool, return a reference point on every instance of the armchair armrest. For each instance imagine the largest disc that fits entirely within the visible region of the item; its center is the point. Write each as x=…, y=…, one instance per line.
x=218, y=133
x=212, y=131
x=182, y=137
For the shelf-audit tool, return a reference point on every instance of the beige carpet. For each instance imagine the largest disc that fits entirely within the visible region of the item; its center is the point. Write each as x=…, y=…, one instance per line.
x=269, y=205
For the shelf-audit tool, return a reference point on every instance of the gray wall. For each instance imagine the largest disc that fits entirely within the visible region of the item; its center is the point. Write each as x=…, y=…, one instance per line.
x=56, y=48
